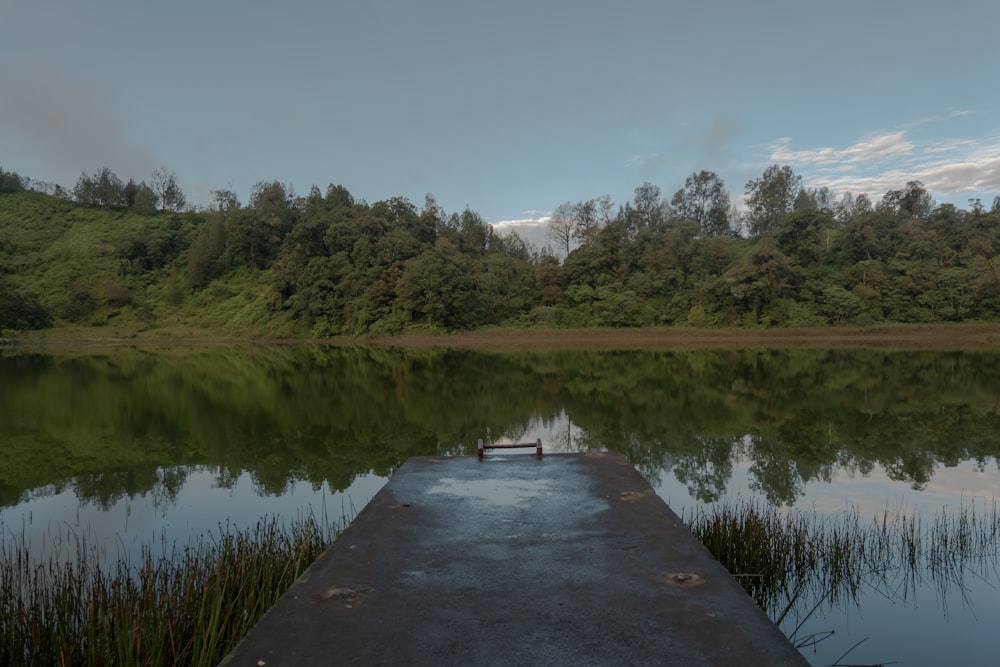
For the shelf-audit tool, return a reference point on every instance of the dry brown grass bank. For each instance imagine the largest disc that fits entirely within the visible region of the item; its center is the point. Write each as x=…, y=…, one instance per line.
x=938, y=336
x=944, y=337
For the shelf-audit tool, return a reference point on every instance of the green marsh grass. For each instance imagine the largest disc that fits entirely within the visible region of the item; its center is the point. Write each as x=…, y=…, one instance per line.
x=192, y=605
x=189, y=607
x=794, y=562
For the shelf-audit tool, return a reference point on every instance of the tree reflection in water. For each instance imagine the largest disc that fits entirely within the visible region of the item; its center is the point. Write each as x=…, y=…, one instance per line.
x=276, y=426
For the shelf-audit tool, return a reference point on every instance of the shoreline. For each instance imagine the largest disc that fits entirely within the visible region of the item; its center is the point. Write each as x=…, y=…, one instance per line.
x=976, y=336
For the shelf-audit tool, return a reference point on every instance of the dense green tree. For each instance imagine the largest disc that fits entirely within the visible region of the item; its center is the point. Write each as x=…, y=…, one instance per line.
x=703, y=200
x=951, y=227
x=129, y=192
x=103, y=189
x=663, y=257
x=425, y=227
x=598, y=262
x=800, y=235
x=912, y=201
x=770, y=198
x=618, y=306
x=144, y=201
x=435, y=288
x=10, y=182
x=757, y=285
x=804, y=201
x=21, y=310
x=247, y=240
x=156, y=245
x=205, y=256
x=839, y=305
x=474, y=235
x=548, y=279
x=505, y=285
x=327, y=263
x=272, y=204
x=254, y=233
x=711, y=257
x=513, y=245
x=646, y=210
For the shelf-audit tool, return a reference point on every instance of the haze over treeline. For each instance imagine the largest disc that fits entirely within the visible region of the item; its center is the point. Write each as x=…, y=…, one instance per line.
x=135, y=255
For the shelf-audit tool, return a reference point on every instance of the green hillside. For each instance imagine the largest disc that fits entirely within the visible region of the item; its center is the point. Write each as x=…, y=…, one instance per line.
x=129, y=259
x=93, y=267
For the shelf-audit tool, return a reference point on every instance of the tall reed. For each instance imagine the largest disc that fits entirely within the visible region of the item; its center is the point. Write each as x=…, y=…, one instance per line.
x=191, y=606
x=791, y=562
x=186, y=608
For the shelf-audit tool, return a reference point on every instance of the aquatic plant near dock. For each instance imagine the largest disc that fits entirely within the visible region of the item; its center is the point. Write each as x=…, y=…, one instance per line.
x=792, y=562
x=192, y=605
x=186, y=608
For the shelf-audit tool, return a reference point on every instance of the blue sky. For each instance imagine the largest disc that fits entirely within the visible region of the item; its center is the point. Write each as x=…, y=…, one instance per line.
x=510, y=108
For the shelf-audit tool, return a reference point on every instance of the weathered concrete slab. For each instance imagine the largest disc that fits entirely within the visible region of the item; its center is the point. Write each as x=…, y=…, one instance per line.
x=565, y=559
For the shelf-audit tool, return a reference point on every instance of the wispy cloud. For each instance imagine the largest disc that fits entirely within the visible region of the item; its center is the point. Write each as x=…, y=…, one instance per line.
x=69, y=124
x=953, y=113
x=877, y=148
x=707, y=147
x=521, y=223
x=881, y=162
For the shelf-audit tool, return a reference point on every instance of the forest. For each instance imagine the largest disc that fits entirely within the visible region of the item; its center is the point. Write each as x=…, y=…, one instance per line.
x=135, y=256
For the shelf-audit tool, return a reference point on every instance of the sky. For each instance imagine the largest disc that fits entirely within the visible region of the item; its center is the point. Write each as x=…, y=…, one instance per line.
x=509, y=108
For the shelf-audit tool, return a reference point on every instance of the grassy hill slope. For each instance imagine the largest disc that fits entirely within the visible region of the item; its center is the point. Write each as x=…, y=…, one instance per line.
x=92, y=267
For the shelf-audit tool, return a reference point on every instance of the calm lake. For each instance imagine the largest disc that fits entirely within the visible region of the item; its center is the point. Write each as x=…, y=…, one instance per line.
x=138, y=449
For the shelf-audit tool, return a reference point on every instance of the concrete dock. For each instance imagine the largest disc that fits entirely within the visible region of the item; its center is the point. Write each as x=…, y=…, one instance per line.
x=562, y=559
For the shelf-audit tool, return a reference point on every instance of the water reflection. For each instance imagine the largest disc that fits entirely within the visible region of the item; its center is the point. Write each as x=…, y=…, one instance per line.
x=108, y=425
x=60, y=522
x=138, y=447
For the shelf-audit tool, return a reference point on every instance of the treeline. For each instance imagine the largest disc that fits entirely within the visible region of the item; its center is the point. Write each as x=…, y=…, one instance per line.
x=327, y=264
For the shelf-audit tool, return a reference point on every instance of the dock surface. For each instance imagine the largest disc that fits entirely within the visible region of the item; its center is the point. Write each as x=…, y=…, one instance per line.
x=563, y=559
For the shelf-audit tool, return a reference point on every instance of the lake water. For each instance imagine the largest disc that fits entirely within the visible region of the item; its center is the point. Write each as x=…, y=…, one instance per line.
x=138, y=449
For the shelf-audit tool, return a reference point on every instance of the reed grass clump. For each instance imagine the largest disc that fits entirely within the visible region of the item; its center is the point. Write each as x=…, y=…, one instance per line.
x=189, y=607
x=794, y=561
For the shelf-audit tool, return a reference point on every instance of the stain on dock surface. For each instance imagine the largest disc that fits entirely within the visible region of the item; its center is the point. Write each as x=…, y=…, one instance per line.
x=564, y=559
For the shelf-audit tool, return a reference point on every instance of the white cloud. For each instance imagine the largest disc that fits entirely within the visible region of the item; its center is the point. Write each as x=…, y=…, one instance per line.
x=950, y=146
x=954, y=113
x=519, y=223
x=882, y=162
x=534, y=230
x=871, y=149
